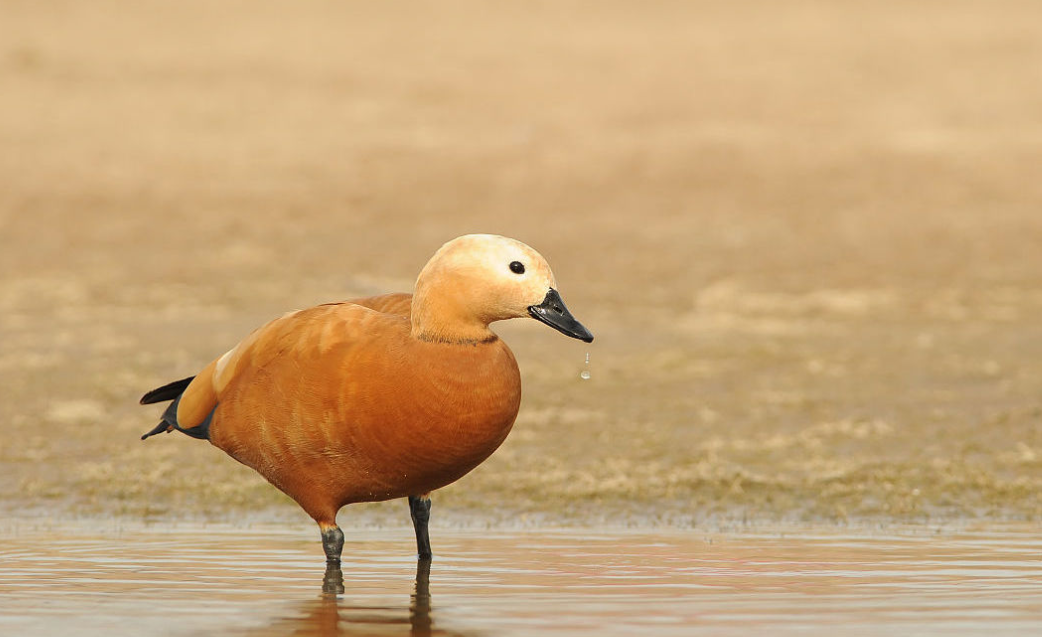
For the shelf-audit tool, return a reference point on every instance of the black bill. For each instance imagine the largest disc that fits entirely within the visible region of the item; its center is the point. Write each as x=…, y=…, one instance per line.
x=553, y=312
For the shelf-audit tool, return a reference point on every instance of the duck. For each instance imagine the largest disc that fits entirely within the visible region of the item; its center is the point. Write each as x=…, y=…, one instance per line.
x=377, y=398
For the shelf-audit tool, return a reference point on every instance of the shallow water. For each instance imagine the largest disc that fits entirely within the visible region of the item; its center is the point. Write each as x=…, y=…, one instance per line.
x=260, y=581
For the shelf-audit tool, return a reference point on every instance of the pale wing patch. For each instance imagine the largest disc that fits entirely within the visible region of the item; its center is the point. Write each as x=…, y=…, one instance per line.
x=218, y=372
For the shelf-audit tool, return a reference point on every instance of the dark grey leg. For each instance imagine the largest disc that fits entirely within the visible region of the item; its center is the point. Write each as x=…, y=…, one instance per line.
x=420, y=510
x=333, y=544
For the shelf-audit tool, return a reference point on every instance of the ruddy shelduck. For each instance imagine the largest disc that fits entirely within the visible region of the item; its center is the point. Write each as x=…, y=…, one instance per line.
x=377, y=398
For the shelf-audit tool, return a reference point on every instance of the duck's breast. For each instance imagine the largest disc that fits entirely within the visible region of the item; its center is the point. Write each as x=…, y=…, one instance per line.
x=425, y=415
x=376, y=416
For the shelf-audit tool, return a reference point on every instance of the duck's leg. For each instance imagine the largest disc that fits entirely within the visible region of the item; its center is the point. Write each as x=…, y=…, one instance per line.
x=420, y=510
x=332, y=542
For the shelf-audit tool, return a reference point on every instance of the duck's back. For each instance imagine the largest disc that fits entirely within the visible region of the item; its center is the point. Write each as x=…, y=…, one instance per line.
x=339, y=404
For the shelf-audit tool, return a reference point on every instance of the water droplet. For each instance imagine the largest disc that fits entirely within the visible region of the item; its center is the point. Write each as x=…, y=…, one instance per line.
x=585, y=373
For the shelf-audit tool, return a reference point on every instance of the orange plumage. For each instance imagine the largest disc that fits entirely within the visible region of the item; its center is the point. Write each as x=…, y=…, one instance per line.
x=377, y=398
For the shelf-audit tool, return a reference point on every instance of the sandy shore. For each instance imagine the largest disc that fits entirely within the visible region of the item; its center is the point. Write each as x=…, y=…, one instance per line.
x=807, y=239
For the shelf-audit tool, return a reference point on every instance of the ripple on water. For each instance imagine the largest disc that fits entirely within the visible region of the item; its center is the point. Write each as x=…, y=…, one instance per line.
x=197, y=580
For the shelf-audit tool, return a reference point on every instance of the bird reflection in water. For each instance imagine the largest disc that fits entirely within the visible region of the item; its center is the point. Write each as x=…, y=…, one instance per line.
x=331, y=615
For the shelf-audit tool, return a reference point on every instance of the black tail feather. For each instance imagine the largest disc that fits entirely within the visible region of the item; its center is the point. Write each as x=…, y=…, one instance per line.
x=162, y=427
x=169, y=391
x=169, y=422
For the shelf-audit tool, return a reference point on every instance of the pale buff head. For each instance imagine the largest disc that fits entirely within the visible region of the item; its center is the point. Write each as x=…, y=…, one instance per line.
x=477, y=279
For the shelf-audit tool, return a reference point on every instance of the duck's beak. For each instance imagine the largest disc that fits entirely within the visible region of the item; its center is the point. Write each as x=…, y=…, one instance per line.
x=553, y=312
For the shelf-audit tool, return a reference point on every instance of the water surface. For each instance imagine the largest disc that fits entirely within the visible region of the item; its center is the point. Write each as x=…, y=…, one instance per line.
x=196, y=580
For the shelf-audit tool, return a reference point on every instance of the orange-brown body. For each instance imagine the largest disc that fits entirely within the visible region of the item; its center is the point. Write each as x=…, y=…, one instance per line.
x=332, y=418
x=378, y=398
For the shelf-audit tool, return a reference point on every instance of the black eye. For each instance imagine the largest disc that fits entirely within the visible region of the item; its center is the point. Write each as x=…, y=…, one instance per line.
x=517, y=267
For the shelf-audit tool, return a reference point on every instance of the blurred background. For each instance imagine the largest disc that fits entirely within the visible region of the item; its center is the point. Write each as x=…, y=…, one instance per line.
x=806, y=235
